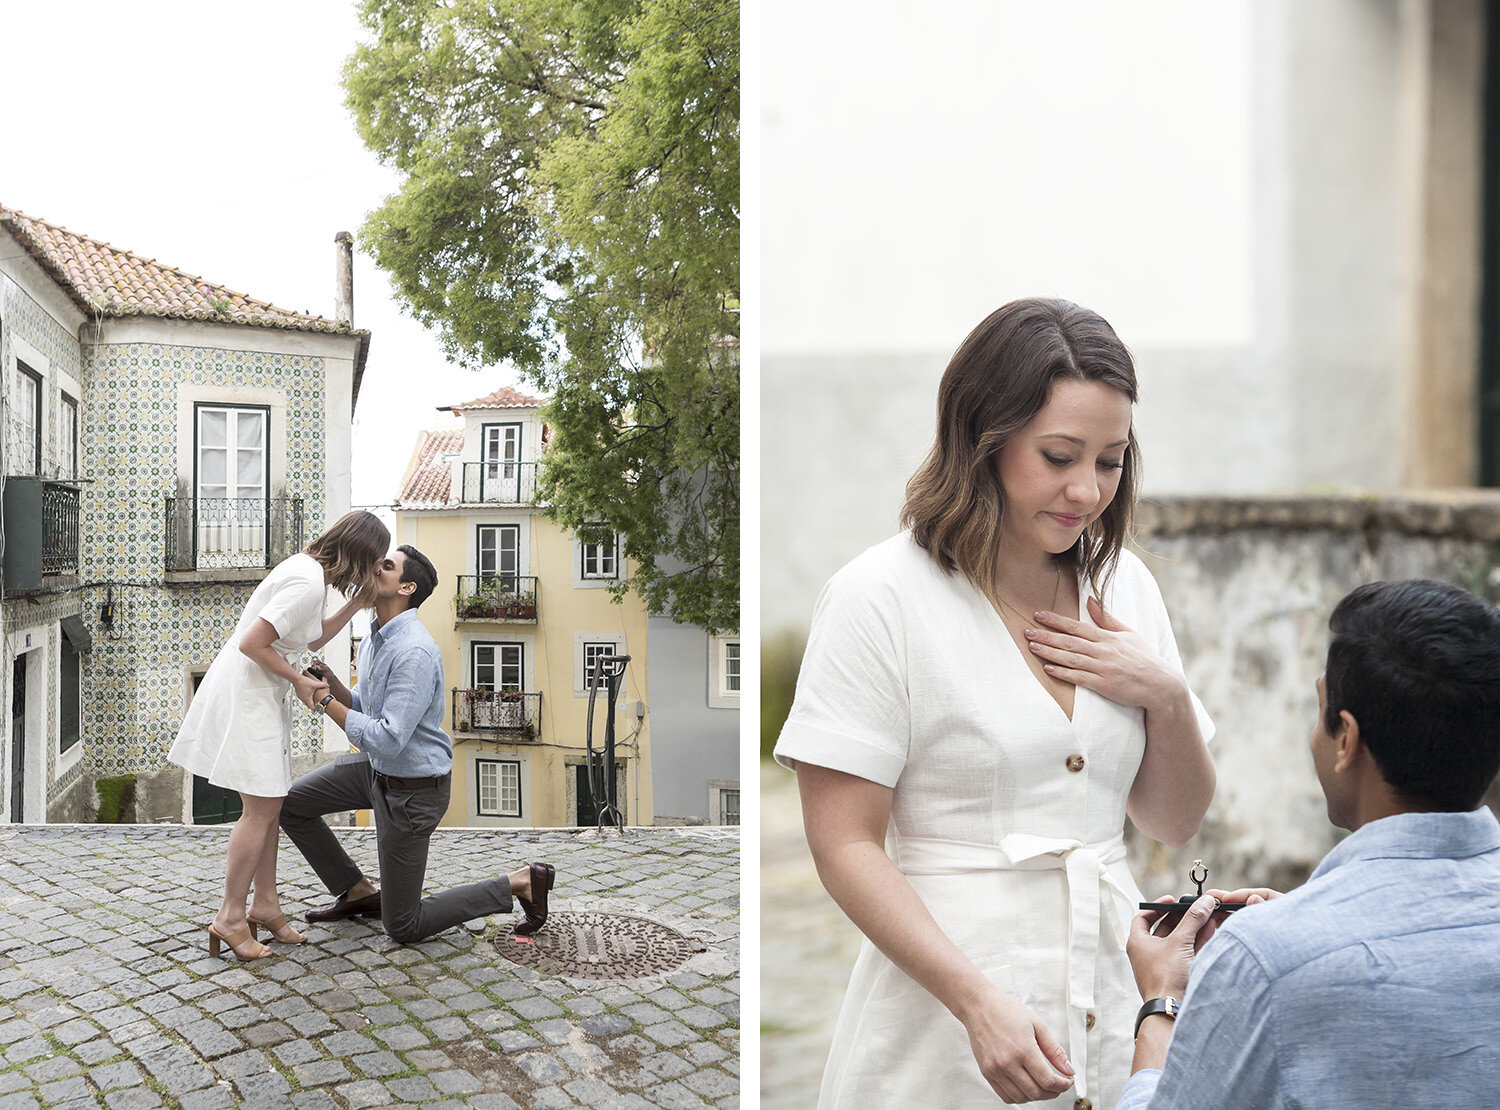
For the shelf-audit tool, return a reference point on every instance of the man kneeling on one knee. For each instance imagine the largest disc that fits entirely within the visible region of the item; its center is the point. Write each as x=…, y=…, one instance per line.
x=1377, y=982
x=402, y=773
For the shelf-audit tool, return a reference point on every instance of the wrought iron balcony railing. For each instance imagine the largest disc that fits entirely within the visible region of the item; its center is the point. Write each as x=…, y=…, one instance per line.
x=499, y=483
x=41, y=530
x=59, y=529
x=211, y=533
x=510, y=713
x=496, y=597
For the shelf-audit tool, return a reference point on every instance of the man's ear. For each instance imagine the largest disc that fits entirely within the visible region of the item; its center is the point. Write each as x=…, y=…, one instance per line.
x=407, y=588
x=1348, y=741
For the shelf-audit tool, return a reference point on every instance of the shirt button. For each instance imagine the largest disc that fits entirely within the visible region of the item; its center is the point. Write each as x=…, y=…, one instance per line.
x=1075, y=764
x=1088, y=1020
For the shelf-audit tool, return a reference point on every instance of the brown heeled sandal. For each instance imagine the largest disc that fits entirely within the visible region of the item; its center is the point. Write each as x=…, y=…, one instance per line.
x=276, y=924
x=234, y=940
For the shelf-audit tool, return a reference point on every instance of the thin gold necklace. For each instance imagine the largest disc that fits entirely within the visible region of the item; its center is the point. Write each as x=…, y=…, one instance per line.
x=1056, y=592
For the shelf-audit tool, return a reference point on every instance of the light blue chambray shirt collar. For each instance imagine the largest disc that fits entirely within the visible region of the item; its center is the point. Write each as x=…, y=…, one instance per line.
x=389, y=628
x=1417, y=836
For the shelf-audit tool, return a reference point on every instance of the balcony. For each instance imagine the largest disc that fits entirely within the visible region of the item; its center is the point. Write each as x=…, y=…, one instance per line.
x=496, y=598
x=499, y=483
x=509, y=714
x=41, y=531
x=244, y=533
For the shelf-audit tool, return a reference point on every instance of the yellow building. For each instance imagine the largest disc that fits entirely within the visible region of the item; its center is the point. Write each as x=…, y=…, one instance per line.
x=520, y=612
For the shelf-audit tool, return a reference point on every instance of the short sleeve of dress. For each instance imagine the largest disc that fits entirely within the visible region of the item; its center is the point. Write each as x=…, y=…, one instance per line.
x=295, y=609
x=1159, y=632
x=851, y=711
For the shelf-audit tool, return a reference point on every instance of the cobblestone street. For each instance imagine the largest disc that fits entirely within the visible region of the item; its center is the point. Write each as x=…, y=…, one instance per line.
x=108, y=996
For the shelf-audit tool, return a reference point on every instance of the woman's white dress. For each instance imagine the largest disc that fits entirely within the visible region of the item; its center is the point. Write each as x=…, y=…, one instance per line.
x=238, y=730
x=1006, y=816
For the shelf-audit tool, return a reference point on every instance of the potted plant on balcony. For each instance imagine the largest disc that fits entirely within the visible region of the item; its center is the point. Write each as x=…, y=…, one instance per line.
x=528, y=606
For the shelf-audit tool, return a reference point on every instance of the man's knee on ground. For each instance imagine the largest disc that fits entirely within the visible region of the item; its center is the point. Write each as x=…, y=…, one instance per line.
x=404, y=932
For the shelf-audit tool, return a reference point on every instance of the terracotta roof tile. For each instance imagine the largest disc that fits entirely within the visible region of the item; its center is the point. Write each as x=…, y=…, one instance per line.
x=107, y=281
x=428, y=483
x=506, y=397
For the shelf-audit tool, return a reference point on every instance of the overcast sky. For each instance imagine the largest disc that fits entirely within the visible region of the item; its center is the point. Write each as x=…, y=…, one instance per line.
x=214, y=138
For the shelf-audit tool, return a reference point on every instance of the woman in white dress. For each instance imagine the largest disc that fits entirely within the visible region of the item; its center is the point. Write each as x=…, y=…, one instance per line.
x=237, y=732
x=983, y=700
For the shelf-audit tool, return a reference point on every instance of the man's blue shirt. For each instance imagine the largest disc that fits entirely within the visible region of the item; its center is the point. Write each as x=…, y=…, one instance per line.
x=1376, y=984
x=401, y=683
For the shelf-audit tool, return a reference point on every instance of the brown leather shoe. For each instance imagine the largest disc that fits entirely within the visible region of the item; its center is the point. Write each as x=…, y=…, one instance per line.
x=368, y=906
x=535, y=907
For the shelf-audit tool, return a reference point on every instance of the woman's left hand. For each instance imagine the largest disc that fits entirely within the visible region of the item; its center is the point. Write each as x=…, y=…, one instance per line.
x=1113, y=661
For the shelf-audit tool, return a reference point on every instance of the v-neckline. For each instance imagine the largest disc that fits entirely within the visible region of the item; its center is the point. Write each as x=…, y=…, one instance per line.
x=1022, y=652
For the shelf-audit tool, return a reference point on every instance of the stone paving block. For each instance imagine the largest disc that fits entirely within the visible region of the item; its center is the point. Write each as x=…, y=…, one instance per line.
x=555, y=1032
x=674, y=1096
x=626, y=1102
x=542, y=1067
x=319, y=1072
x=455, y=1082
x=670, y=1033
x=364, y=1094
x=668, y=1066
x=269, y=1089
x=133, y=1098
x=378, y=1065
x=606, y=1024
x=64, y=1090
x=347, y=1044
x=701, y=1017
x=125, y=1073
x=552, y=1098
x=448, y=1028
x=702, y=1052
x=414, y=1088
x=429, y=1059
x=310, y=1025
x=401, y=1037
x=52, y=1067
x=494, y=1100
x=712, y=1083
x=16, y=1029
x=533, y=1008
x=296, y=1052
x=313, y=1100
x=267, y=1033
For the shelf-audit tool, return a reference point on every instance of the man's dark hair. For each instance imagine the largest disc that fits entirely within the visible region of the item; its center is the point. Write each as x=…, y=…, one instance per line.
x=1417, y=664
x=419, y=571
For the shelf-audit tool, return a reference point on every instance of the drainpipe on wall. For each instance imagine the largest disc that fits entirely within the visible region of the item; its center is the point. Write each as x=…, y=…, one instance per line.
x=343, y=305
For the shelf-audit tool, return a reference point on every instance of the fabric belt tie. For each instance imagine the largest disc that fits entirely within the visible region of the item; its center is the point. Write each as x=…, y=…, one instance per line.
x=1088, y=873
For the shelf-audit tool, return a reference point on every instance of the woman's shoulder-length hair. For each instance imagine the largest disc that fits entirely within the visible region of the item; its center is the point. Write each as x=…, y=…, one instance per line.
x=351, y=549
x=998, y=380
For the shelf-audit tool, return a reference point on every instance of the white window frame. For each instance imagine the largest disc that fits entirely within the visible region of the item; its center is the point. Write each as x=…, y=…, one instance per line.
x=717, y=791
x=26, y=420
x=481, y=764
x=720, y=696
x=67, y=435
x=597, y=578
x=481, y=575
x=498, y=664
x=615, y=640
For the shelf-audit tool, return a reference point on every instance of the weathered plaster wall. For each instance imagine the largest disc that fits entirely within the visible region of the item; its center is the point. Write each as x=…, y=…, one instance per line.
x=1250, y=583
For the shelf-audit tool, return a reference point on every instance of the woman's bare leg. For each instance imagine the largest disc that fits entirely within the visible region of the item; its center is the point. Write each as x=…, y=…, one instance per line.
x=247, y=842
x=266, y=905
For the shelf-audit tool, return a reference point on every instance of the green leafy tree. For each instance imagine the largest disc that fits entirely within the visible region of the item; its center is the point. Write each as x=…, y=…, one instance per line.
x=571, y=204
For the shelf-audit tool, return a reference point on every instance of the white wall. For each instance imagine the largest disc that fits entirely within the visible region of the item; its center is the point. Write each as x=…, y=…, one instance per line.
x=1237, y=187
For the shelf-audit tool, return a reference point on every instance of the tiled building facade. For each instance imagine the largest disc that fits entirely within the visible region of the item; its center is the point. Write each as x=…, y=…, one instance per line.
x=206, y=435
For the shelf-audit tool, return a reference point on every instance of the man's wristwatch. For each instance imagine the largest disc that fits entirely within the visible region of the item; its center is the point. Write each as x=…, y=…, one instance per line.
x=322, y=706
x=1168, y=1006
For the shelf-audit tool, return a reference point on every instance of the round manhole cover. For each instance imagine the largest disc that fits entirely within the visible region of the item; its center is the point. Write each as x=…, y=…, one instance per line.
x=600, y=946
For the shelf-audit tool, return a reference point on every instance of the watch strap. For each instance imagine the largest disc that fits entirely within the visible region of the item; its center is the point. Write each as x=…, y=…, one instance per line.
x=1167, y=1006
